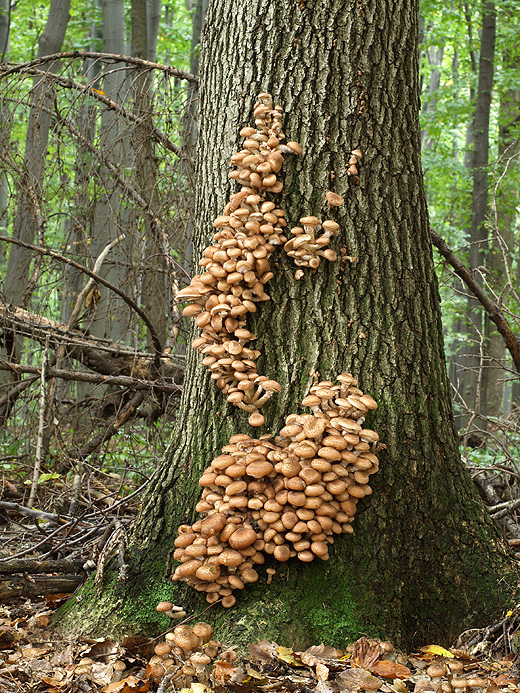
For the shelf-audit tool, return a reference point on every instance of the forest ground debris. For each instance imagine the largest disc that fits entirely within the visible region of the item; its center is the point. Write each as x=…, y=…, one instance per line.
x=33, y=658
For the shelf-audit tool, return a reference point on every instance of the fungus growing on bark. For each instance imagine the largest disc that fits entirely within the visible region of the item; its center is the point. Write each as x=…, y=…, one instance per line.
x=355, y=156
x=308, y=246
x=286, y=497
x=236, y=265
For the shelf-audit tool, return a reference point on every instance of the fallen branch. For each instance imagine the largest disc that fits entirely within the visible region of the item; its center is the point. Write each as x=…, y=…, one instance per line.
x=505, y=510
x=124, y=380
x=491, y=308
x=29, y=512
x=30, y=565
x=493, y=498
x=129, y=301
x=32, y=588
x=100, y=355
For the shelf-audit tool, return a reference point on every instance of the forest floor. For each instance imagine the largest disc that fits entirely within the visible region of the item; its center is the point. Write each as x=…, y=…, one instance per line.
x=35, y=659
x=43, y=554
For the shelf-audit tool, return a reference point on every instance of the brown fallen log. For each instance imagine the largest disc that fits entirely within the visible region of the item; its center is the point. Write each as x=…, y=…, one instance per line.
x=37, y=586
x=31, y=565
x=99, y=355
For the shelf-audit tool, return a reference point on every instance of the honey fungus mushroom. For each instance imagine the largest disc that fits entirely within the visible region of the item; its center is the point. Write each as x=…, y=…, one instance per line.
x=308, y=247
x=236, y=265
x=287, y=497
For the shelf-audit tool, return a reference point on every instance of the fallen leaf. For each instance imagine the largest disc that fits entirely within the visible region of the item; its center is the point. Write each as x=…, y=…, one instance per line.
x=399, y=686
x=366, y=653
x=323, y=687
x=56, y=600
x=104, y=647
x=436, y=650
x=319, y=653
x=130, y=681
x=505, y=680
x=286, y=655
x=34, y=652
x=322, y=672
x=262, y=651
x=222, y=672
x=200, y=688
x=41, y=621
x=423, y=685
x=52, y=681
x=352, y=679
x=390, y=670
x=8, y=637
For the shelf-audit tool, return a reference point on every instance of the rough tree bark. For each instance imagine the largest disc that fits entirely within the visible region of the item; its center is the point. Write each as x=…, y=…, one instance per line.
x=425, y=557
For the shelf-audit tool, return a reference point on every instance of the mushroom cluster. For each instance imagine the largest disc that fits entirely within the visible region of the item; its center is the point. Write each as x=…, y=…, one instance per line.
x=352, y=170
x=285, y=497
x=192, y=645
x=236, y=265
x=307, y=247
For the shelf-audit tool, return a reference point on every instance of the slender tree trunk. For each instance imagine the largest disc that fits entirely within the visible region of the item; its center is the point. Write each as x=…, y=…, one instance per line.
x=111, y=217
x=199, y=10
x=475, y=378
x=346, y=76
x=503, y=216
x=434, y=55
x=4, y=49
x=153, y=19
x=155, y=271
x=25, y=222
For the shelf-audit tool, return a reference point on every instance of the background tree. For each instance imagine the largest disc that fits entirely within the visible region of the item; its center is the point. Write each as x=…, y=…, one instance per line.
x=347, y=77
x=28, y=222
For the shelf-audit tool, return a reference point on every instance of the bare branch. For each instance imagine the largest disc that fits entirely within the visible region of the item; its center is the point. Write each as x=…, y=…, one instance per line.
x=10, y=68
x=495, y=314
x=91, y=91
x=29, y=512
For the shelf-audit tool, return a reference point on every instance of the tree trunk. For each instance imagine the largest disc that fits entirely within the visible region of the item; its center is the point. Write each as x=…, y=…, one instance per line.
x=4, y=49
x=503, y=241
x=424, y=559
x=24, y=226
x=475, y=377
x=111, y=216
x=155, y=295
x=25, y=222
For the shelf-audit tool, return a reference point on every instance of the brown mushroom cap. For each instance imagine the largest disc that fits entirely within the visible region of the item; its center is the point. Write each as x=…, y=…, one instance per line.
x=334, y=199
x=203, y=631
x=186, y=641
x=200, y=659
x=256, y=419
x=242, y=537
x=164, y=606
